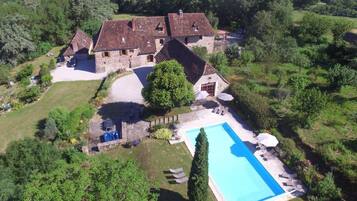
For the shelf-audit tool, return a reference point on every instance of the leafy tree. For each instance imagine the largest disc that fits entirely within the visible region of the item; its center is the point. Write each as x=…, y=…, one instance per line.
x=198, y=180
x=50, y=131
x=85, y=11
x=308, y=104
x=219, y=61
x=15, y=39
x=91, y=26
x=325, y=190
x=4, y=74
x=30, y=94
x=340, y=75
x=213, y=20
x=200, y=51
x=91, y=180
x=167, y=86
x=28, y=156
x=8, y=187
x=313, y=27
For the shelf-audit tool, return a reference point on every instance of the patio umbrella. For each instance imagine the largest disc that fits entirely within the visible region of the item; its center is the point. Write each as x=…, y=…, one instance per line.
x=201, y=95
x=267, y=140
x=225, y=97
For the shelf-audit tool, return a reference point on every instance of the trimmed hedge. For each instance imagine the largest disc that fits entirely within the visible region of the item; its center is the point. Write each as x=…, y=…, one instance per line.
x=254, y=106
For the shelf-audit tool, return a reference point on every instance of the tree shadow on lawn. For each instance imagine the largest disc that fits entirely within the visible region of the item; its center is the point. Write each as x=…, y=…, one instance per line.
x=128, y=112
x=165, y=195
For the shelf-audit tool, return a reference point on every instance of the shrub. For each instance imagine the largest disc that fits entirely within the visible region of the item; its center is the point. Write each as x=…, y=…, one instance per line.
x=232, y=52
x=341, y=75
x=50, y=131
x=4, y=74
x=30, y=95
x=325, y=190
x=299, y=82
x=26, y=72
x=52, y=64
x=200, y=51
x=254, y=106
x=163, y=134
x=45, y=76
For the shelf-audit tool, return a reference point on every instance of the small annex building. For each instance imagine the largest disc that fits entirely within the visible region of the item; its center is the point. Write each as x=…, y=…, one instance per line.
x=201, y=74
x=78, y=47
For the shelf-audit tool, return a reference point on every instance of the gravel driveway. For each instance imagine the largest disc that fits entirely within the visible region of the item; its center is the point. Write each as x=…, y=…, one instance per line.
x=84, y=70
x=128, y=88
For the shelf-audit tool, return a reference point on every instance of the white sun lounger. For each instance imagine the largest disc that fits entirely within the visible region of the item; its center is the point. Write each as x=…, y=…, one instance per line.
x=179, y=175
x=175, y=171
x=182, y=180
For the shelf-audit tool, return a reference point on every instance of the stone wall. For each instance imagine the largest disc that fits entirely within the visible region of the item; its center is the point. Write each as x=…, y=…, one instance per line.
x=116, y=60
x=221, y=85
x=204, y=41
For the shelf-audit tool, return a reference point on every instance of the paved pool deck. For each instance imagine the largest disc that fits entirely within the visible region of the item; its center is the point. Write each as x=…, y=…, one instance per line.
x=273, y=165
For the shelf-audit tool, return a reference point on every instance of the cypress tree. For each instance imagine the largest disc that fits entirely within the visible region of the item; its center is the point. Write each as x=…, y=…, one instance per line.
x=198, y=181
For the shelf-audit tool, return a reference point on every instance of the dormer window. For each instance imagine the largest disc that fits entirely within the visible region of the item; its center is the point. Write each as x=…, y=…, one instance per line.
x=148, y=44
x=160, y=27
x=122, y=39
x=195, y=26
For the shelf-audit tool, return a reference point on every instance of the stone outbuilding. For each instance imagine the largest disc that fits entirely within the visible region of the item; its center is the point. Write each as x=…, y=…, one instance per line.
x=201, y=74
x=78, y=47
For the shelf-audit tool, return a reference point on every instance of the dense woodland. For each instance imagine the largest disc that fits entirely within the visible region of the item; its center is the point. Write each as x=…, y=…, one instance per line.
x=296, y=80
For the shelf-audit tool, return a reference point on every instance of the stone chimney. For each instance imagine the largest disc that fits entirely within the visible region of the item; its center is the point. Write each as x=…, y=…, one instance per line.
x=133, y=24
x=180, y=12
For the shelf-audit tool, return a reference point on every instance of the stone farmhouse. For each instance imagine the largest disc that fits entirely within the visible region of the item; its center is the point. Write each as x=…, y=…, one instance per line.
x=125, y=44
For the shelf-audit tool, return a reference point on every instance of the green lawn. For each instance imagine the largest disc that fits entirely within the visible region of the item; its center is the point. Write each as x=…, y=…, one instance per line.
x=124, y=16
x=299, y=14
x=40, y=60
x=22, y=123
x=155, y=157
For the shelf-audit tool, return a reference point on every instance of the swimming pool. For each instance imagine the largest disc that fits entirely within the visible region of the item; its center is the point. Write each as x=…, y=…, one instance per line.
x=238, y=175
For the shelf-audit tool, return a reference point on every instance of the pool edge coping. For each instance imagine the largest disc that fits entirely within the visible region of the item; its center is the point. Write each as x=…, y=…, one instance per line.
x=214, y=187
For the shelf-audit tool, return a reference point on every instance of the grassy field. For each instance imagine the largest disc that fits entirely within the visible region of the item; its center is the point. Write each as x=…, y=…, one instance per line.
x=298, y=15
x=23, y=123
x=157, y=156
x=124, y=16
x=40, y=60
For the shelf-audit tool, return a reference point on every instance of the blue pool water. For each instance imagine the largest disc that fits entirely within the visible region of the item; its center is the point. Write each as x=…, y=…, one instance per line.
x=238, y=175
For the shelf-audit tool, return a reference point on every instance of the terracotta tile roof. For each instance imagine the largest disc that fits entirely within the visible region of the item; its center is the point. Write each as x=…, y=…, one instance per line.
x=151, y=26
x=116, y=35
x=141, y=31
x=189, y=24
x=194, y=66
x=80, y=43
